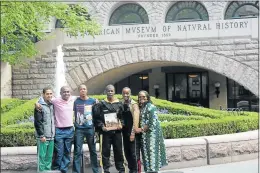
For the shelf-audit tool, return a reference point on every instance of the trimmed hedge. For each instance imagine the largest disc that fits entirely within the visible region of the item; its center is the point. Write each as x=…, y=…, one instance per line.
x=10, y=103
x=19, y=113
x=170, y=117
x=201, y=122
x=11, y=137
x=192, y=128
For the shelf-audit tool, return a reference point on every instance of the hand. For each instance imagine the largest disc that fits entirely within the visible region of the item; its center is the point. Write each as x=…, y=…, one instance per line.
x=97, y=101
x=138, y=130
x=132, y=137
x=145, y=128
x=104, y=129
x=38, y=107
x=119, y=127
x=43, y=139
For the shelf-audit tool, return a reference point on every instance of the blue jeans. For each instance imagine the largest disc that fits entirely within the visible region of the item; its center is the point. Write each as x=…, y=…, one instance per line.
x=62, y=145
x=78, y=142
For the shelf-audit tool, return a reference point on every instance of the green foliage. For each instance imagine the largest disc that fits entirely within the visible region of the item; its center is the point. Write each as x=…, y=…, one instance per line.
x=10, y=103
x=201, y=123
x=11, y=137
x=193, y=128
x=21, y=112
x=170, y=117
x=21, y=22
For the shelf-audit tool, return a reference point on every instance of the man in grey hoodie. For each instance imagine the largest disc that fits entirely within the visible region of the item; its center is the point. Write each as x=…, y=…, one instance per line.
x=45, y=131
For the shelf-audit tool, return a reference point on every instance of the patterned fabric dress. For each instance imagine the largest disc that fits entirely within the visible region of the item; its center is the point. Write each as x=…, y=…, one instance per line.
x=153, y=147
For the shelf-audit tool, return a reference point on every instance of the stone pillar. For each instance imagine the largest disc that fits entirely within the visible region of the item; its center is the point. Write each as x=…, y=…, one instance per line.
x=214, y=102
x=6, y=80
x=156, y=77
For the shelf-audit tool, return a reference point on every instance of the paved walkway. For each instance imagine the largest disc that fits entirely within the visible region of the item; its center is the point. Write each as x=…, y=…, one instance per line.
x=250, y=166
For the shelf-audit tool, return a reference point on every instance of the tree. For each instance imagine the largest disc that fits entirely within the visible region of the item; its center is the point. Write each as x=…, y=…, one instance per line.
x=21, y=22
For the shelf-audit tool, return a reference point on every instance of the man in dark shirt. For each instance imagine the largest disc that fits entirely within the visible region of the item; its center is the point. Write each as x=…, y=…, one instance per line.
x=108, y=121
x=84, y=128
x=131, y=140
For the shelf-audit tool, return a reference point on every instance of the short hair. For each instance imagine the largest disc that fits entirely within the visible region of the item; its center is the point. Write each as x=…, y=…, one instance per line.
x=109, y=86
x=81, y=86
x=45, y=89
x=126, y=88
x=62, y=88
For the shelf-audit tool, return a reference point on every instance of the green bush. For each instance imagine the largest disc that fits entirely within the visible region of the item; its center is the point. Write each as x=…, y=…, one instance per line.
x=207, y=127
x=19, y=113
x=201, y=122
x=10, y=103
x=11, y=137
x=170, y=117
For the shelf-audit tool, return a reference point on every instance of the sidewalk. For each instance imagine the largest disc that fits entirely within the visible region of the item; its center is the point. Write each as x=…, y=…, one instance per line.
x=250, y=166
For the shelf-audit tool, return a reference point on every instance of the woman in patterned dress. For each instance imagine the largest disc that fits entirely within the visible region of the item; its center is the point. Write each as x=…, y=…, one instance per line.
x=152, y=141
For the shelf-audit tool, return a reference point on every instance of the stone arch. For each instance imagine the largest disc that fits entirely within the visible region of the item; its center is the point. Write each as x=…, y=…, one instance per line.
x=162, y=55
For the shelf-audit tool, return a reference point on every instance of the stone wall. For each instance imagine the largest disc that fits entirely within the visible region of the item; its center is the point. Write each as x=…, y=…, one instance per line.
x=6, y=80
x=181, y=153
x=85, y=63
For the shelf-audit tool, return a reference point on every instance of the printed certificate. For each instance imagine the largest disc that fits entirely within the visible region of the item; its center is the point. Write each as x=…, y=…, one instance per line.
x=111, y=121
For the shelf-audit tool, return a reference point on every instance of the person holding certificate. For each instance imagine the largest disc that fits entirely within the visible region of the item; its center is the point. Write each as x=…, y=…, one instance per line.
x=107, y=117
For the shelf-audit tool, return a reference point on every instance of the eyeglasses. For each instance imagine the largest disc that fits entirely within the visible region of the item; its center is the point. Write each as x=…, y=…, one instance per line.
x=142, y=96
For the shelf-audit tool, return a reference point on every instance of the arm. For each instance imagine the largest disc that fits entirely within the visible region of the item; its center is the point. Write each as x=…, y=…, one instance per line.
x=152, y=117
x=98, y=123
x=120, y=116
x=38, y=117
x=136, y=116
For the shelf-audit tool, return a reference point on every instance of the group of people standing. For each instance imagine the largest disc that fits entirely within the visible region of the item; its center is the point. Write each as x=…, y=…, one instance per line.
x=62, y=120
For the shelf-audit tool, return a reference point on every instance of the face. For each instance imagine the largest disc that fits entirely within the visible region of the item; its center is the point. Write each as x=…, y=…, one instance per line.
x=142, y=97
x=47, y=96
x=110, y=92
x=83, y=90
x=126, y=94
x=65, y=93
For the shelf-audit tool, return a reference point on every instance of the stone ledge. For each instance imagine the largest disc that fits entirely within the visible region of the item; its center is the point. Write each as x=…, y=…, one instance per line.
x=186, y=152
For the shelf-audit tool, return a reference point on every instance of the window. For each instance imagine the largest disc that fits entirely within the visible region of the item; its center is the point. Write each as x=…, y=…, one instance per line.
x=242, y=9
x=136, y=82
x=184, y=11
x=128, y=14
x=239, y=97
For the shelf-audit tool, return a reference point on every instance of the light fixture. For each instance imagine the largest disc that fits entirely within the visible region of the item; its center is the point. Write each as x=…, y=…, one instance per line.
x=143, y=77
x=217, y=85
x=156, y=86
x=193, y=75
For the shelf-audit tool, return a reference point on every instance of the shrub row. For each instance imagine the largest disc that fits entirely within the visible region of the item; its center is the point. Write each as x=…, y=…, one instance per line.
x=21, y=135
x=207, y=127
x=19, y=113
x=170, y=117
x=10, y=103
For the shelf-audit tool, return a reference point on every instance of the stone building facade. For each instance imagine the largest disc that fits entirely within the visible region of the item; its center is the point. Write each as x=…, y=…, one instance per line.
x=159, y=40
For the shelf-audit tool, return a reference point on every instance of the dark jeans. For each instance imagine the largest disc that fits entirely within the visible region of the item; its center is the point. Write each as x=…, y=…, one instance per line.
x=78, y=142
x=138, y=151
x=131, y=149
x=113, y=138
x=62, y=146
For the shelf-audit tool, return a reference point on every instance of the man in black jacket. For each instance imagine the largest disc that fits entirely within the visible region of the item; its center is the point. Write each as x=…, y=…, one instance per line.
x=107, y=116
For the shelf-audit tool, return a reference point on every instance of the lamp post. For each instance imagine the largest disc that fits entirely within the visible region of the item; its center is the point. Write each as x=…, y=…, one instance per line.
x=217, y=85
x=156, y=90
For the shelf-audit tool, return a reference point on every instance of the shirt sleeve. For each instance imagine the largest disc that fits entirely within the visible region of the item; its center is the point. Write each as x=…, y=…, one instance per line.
x=38, y=123
x=136, y=116
x=152, y=117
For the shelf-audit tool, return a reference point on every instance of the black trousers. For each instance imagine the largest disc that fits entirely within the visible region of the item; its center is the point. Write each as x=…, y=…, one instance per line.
x=113, y=138
x=132, y=151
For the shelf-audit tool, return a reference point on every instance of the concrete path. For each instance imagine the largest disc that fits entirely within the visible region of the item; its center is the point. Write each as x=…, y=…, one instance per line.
x=250, y=166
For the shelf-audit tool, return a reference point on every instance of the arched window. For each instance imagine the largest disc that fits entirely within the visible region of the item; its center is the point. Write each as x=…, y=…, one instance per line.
x=184, y=11
x=128, y=14
x=242, y=9
x=59, y=24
